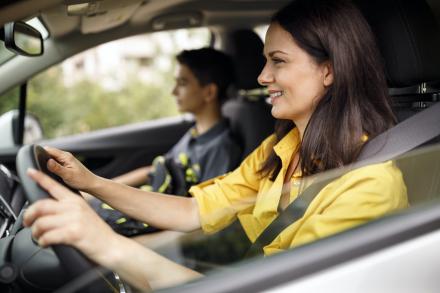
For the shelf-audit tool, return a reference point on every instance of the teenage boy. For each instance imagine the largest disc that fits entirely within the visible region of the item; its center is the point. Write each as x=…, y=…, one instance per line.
x=206, y=150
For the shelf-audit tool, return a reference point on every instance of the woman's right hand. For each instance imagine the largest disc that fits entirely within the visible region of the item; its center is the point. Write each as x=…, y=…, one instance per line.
x=66, y=218
x=72, y=171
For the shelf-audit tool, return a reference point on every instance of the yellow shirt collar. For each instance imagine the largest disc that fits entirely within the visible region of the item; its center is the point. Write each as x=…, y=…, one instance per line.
x=285, y=147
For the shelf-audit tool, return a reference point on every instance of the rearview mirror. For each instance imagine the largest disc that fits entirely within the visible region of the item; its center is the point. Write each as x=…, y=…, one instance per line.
x=23, y=39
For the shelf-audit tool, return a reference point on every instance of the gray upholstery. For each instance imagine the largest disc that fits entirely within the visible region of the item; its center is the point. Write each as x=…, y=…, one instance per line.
x=408, y=36
x=250, y=119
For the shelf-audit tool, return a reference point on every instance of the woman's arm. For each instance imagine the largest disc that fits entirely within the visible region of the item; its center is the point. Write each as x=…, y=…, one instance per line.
x=133, y=178
x=168, y=212
x=138, y=265
x=68, y=219
x=162, y=211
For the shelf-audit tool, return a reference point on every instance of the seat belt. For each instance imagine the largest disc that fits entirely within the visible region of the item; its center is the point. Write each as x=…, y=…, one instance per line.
x=403, y=137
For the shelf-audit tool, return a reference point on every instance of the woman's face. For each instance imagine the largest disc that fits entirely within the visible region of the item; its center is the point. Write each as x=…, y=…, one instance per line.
x=294, y=80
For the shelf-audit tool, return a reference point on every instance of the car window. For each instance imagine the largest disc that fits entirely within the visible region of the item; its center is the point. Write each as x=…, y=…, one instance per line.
x=124, y=81
x=9, y=100
x=261, y=30
x=211, y=254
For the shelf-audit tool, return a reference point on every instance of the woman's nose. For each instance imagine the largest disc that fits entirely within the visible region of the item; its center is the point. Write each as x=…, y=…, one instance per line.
x=265, y=76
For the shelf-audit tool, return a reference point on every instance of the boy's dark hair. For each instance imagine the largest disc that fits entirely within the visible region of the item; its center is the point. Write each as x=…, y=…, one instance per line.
x=209, y=66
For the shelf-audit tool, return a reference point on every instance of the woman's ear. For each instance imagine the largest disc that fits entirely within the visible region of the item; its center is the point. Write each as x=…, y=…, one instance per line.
x=328, y=74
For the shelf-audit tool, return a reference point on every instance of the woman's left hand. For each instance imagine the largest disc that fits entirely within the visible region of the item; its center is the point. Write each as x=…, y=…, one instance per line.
x=67, y=219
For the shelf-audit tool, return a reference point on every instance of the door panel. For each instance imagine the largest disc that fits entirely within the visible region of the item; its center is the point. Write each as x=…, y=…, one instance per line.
x=114, y=151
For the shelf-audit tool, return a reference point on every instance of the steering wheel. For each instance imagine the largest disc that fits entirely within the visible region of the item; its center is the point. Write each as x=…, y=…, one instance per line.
x=73, y=262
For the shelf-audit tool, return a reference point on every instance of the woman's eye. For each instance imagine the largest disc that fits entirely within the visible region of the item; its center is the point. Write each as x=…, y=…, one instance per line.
x=277, y=60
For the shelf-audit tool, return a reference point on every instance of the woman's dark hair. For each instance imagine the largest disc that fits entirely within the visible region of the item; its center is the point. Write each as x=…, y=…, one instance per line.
x=209, y=66
x=357, y=102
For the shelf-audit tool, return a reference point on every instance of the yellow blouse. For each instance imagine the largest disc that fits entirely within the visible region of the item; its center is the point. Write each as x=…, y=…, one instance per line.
x=355, y=198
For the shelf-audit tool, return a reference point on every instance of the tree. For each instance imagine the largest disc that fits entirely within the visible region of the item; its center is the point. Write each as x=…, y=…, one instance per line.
x=86, y=106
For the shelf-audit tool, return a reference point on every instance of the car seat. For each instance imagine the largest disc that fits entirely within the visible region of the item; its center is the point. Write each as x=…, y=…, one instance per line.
x=408, y=36
x=248, y=113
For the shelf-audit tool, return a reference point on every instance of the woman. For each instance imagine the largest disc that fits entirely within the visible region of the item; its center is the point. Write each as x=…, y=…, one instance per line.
x=328, y=90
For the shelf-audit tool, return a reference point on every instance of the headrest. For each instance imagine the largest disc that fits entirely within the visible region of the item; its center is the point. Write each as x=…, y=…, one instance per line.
x=246, y=49
x=408, y=36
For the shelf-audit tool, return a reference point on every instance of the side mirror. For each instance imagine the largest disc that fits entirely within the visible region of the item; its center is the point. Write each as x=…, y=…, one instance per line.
x=33, y=131
x=23, y=39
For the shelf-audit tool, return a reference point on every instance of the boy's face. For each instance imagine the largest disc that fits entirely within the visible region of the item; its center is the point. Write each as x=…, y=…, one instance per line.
x=189, y=93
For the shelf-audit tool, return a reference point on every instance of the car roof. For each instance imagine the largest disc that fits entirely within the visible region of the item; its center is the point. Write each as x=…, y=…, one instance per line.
x=61, y=17
x=66, y=16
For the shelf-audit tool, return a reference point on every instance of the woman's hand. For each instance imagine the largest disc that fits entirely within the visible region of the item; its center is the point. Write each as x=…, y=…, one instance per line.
x=68, y=219
x=71, y=170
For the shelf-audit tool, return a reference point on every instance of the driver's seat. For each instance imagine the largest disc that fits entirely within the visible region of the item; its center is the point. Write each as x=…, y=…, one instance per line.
x=408, y=36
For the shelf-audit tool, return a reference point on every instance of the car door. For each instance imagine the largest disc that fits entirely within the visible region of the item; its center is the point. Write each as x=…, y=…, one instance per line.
x=117, y=150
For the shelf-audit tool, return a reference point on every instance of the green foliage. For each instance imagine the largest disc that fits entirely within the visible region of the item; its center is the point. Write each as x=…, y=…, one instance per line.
x=9, y=100
x=87, y=106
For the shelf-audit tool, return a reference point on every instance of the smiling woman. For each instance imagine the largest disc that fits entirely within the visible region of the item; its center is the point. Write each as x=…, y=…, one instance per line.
x=287, y=62
x=332, y=83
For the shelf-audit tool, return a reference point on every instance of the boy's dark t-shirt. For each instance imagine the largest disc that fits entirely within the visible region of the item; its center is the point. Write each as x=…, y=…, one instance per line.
x=208, y=155
x=194, y=159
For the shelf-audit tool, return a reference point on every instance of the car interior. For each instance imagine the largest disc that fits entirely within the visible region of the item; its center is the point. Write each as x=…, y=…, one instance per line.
x=408, y=35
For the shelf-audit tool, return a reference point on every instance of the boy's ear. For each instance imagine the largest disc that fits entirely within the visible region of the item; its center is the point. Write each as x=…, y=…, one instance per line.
x=211, y=92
